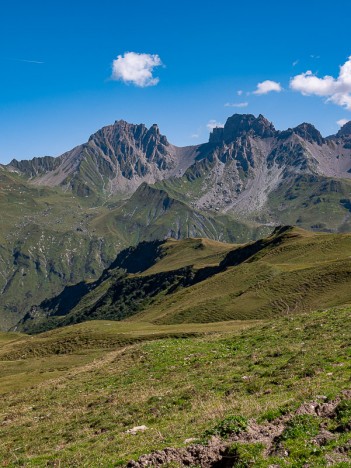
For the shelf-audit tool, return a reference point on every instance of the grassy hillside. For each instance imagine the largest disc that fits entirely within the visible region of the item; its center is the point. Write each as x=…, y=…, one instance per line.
x=137, y=275
x=50, y=239
x=289, y=272
x=46, y=242
x=199, y=281
x=318, y=203
x=83, y=397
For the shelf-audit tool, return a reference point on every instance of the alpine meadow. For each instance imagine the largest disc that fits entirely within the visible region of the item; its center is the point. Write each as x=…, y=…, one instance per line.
x=175, y=294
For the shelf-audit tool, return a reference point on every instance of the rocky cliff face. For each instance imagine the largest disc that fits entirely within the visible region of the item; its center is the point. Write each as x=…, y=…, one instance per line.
x=247, y=160
x=242, y=125
x=116, y=159
x=344, y=135
x=344, y=131
x=133, y=149
x=36, y=166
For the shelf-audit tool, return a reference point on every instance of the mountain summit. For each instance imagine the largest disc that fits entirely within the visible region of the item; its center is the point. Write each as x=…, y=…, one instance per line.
x=345, y=130
x=240, y=125
x=116, y=159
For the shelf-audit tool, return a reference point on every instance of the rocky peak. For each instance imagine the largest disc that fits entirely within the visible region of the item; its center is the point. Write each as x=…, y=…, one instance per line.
x=345, y=130
x=154, y=130
x=36, y=166
x=121, y=130
x=308, y=132
x=216, y=136
x=240, y=125
x=155, y=135
x=123, y=138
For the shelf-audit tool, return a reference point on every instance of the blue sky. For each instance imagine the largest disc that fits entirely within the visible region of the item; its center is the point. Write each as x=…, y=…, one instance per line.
x=56, y=67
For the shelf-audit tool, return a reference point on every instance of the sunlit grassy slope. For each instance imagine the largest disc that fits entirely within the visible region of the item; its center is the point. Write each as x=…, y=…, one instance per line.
x=293, y=271
x=70, y=395
x=198, y=253
x=199, y=281
x=157, y=260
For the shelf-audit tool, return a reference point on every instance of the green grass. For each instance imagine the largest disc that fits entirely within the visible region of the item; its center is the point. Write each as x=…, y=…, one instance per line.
x=204, y=281
x=295, y=272
x=10, y=337
x=24, y=358
x=312, y=203
x=179, y=387
x=198, y=252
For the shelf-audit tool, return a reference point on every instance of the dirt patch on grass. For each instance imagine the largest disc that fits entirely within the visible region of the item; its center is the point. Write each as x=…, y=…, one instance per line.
x=311, y=422
x=215, y=454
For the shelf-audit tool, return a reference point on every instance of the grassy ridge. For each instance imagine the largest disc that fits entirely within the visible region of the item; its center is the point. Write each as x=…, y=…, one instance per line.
x=200, y=281
x=177, y=387
x=292, y=271
x=151, y=272
x=198, y=253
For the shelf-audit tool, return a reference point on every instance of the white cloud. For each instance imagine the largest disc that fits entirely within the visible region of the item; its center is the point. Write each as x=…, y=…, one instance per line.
x=214, y=124
x=267, y=86
x=195, y=135
x=27, y=61
x=239, y=92
x=342, y=122
x=295, y=63
x=336, y=90
x=236, y=104
x=136, y=68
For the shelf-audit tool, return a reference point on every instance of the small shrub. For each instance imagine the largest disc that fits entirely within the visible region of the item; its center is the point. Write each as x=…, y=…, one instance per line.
x=253, y=387
x=343, y=414
x=272, y=414
x=229, y=425
x=301, y=426
x=247, y=454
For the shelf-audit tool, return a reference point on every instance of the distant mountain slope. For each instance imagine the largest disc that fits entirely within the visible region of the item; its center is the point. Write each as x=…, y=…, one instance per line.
x=152, y=213
x=200, y=281
x=50, y=239
x=249, y=169
x=45, y=243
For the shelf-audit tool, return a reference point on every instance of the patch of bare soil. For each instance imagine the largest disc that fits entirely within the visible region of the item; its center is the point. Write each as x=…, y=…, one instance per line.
x=213, y=454
x=216, y=453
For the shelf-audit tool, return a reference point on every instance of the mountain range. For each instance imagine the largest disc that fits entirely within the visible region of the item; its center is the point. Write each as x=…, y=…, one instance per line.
x=240, y=166
x=65, y=219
